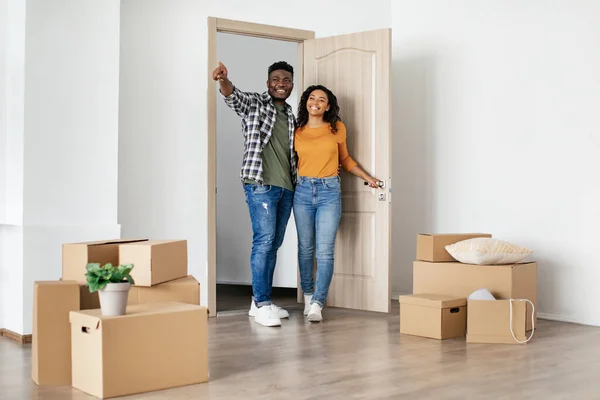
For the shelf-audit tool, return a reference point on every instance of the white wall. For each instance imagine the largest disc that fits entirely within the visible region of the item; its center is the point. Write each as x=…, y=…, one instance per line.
x=3, y=289
x=15, y=111
x=11, y=278
x=11, y=232
x=72, y=83
x=234, y=231
x=163, y=104
x=496, y=126
x=3, y=113
x=62, y=140
x=71, y=132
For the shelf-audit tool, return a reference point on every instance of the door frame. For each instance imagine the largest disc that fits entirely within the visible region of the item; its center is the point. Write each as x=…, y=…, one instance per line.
x=242, y=28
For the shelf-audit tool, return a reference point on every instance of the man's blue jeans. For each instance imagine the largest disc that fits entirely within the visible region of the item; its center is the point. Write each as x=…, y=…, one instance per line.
x=317, y=212
x=270, y=209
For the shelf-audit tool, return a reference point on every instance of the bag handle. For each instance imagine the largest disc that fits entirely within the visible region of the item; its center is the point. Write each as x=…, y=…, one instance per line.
x=532, y=320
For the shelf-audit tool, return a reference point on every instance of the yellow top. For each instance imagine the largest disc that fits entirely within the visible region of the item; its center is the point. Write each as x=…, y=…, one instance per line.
x=320, y=151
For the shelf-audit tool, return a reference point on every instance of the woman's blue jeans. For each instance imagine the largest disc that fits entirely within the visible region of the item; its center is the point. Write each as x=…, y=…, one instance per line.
x=317, y=213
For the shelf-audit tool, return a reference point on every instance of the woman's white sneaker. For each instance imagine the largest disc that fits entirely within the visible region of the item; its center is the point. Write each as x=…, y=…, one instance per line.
x=307, y=300
x=314, y=314
x=266, y=317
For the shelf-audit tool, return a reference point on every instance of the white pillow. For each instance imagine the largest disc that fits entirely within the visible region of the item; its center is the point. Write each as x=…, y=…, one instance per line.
x=481, y=294
x=487, y=251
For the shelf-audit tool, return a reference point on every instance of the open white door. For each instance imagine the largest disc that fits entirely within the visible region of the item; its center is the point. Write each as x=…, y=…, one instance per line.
x=356, y=67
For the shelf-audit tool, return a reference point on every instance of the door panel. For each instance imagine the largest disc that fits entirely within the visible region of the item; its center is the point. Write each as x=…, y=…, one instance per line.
x=356, y=67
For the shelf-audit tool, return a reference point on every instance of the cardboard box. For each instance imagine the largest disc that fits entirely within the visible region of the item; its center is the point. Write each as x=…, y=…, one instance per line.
x=75, y=256
x=155, y=261
x=433, y=316
x=87, y=300
x=51, y=335
x=512, y=281
x=154, y=347
x=432, y=247
x=488, y=321
x=183, y=290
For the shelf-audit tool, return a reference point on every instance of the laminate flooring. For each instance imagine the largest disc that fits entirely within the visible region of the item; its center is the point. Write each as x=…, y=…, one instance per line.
x=359, y=355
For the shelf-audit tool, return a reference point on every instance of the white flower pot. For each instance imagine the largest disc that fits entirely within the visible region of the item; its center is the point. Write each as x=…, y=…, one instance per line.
x=113, y=298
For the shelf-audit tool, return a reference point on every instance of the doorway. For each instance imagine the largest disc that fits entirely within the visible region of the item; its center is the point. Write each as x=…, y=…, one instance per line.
x=356, y=66
x=234, y=232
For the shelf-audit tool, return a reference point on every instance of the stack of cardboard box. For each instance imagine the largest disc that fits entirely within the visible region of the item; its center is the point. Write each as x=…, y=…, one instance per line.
x=439, y=308
x=161, y=342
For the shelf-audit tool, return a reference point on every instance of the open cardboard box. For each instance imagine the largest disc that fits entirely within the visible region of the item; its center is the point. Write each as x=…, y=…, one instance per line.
x=489, y=321
x=75, y=256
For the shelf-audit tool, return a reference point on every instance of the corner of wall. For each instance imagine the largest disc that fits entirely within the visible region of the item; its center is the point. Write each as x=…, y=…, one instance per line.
x=2, y=288
x=11, y=278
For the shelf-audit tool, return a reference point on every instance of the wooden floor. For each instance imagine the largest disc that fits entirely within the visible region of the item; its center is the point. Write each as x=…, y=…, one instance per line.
x=361, y=356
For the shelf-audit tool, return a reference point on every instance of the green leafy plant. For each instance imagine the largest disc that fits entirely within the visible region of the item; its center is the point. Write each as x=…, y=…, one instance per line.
x=98, y=276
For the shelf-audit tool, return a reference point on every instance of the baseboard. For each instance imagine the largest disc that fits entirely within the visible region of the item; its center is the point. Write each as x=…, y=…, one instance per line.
x=22, y=339
x=561, y=318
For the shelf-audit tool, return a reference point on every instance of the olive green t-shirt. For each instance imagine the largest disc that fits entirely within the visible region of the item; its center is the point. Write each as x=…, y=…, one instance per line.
x=276, y=154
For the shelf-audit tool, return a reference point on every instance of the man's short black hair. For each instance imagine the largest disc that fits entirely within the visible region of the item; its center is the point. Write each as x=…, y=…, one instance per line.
x=281, y=65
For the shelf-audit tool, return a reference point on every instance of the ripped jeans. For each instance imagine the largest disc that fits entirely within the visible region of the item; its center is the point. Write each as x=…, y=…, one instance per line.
x=270, y=209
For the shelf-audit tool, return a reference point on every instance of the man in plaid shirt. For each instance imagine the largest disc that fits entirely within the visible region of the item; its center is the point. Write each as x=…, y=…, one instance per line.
x=268, y=175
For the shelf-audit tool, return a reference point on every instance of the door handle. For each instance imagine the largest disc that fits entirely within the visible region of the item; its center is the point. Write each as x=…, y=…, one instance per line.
x=383, y=196
x=380, y=183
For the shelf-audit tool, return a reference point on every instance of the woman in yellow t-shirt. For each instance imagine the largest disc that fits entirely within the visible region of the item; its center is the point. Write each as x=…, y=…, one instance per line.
x=320, y=141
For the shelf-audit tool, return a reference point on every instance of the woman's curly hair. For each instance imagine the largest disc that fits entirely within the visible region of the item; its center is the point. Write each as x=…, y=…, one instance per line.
x=332, y=115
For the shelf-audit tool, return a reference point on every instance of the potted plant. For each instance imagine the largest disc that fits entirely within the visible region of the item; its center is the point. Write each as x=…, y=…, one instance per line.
x=112, y=284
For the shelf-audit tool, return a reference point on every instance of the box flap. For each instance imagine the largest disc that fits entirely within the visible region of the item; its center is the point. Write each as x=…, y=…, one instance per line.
x=151, y=243
x=102, y=242
x=456, y=234
x=89, y=319
x=58, y=282
x=95, y=318
x=117, y=241
x=188, y=280
x=433, y=300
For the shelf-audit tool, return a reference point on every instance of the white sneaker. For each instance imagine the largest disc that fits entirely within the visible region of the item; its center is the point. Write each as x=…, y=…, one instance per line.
x=266, y=317
x=307, y=300
x=280, y=312
x=314, y=314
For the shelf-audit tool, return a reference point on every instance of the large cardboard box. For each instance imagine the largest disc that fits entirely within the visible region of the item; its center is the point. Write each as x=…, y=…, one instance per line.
x=433, y=316
x=155, y=261
x=432, y=247
x=75, y=256
x=51, y=335
x=183, y=290
x=512, y=281
x=488, y=321
x=153, y=347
